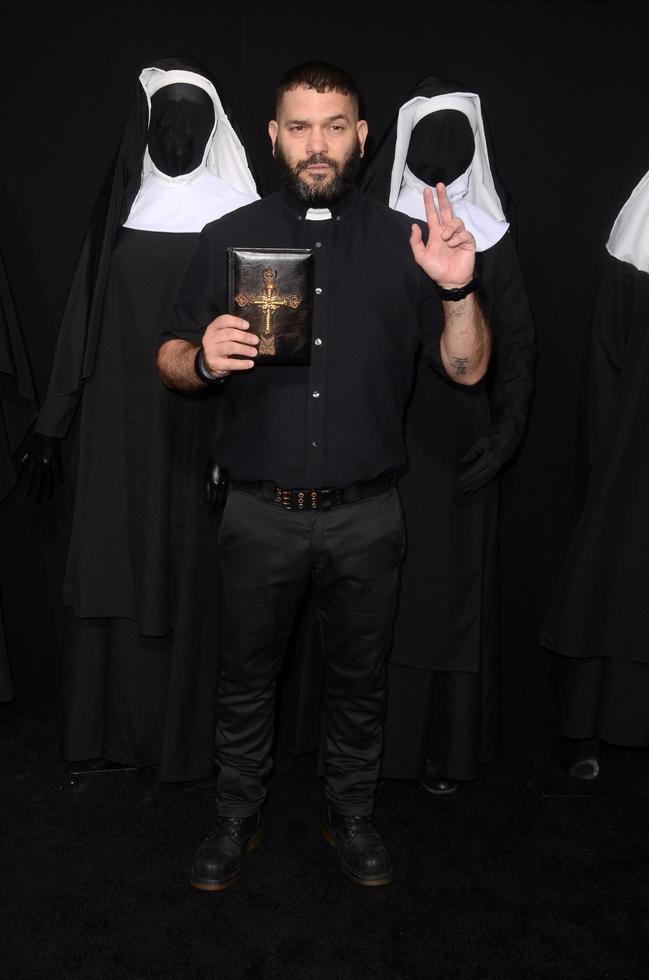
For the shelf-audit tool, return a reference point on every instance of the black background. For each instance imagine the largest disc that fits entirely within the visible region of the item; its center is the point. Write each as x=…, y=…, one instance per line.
x=564, y=89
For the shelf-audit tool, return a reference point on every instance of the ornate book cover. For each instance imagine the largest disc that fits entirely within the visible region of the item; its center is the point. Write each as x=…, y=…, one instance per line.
x=272, y=288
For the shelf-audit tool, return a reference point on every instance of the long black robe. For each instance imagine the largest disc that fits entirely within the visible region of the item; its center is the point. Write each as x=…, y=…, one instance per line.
x=597, y=622
x=17, y=413
x=443, y=675
x=140, y=659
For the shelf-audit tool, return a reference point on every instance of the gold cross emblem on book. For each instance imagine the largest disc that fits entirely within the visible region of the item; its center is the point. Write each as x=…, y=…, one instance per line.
x=269, y=301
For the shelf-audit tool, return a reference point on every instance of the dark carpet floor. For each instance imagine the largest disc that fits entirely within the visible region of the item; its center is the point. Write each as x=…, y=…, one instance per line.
x=497, y=881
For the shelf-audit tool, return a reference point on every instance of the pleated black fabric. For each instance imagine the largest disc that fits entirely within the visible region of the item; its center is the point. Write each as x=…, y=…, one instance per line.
x=599, y=609
x=140, y=664
x=449, y=716
x=601, y=697
x=17, y=413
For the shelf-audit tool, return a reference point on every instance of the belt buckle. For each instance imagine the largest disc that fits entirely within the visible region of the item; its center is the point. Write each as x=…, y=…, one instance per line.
x=308, y=499
x=283, y=498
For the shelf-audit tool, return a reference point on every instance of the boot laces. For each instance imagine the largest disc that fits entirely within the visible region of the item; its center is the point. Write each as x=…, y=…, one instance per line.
x=228, y=825
x=357, y=824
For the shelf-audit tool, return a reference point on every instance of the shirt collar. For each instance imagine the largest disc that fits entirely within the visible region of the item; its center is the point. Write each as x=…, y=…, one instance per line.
x=339, y=211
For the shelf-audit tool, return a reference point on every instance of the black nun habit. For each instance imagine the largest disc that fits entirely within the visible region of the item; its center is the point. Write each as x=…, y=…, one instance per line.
x=443, y=693
x=597, y=623
x=139, y=668
x=17, y=412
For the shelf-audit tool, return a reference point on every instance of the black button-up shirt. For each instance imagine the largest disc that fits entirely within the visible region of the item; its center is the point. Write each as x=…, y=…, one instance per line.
x=340, y=419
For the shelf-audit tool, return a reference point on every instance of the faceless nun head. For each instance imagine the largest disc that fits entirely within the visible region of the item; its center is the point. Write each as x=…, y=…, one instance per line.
x=181, y=123
x=441, y=147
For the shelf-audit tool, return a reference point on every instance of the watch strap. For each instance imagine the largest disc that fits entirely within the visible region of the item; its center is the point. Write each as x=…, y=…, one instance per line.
x=459, y=292
x=202, y=369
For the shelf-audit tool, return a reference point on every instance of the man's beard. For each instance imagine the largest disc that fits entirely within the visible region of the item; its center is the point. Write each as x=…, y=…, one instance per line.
x=319, y=193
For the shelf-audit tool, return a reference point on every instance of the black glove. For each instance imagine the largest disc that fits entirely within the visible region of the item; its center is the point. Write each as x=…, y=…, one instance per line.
x=38, y=462
x=216, y=485
x=485, y=459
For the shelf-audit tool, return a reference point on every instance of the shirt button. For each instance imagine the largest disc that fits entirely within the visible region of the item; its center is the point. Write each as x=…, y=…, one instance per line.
x=317, y=342
x=318, y=290
x=314, y=445
x=337, y=217
x=318, y=244
x=316, y=394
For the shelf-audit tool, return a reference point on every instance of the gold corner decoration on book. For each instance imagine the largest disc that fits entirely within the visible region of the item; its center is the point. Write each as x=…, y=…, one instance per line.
x=272, y=288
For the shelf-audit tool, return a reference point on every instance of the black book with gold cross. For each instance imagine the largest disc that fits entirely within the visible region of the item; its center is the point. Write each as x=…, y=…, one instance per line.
x=272, y=289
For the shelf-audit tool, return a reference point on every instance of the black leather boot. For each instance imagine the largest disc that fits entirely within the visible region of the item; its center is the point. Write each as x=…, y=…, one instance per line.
x=435, y=782
x=220, y=858
x=364, y=856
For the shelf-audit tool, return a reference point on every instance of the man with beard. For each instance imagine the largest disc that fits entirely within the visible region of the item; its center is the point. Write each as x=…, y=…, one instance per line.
x=313, y=453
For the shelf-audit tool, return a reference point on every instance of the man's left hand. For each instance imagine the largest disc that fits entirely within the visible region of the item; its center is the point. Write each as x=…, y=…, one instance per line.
x=448, y=256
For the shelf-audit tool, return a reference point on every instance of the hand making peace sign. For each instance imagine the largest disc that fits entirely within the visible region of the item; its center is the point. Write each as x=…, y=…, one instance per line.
x=448, y=256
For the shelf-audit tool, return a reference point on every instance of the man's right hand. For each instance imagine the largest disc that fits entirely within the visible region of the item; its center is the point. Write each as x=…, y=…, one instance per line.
x=38, y=462
x=227, y=336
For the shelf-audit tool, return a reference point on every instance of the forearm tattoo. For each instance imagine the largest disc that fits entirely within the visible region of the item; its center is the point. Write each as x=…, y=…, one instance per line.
x=460, y=365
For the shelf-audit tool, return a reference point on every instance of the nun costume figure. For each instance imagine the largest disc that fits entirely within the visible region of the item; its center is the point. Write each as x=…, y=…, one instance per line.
x=443, y=713
x=139, y=666
x=597, y=624
x=18, y=407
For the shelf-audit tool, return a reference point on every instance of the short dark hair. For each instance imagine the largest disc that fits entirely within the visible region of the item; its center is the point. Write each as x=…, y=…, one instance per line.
x=321, y=76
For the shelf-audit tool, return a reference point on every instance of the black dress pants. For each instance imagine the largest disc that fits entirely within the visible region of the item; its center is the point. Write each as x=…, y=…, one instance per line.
x=268, y=557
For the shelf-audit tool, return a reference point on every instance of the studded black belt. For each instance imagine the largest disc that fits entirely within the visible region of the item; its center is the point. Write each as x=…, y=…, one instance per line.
x=320, y=498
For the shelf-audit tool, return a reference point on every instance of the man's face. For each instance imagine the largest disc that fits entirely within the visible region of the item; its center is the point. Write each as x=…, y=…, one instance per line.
x=318, y=141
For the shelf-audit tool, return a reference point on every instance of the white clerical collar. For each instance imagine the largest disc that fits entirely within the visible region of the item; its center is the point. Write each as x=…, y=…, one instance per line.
x=317, y=214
